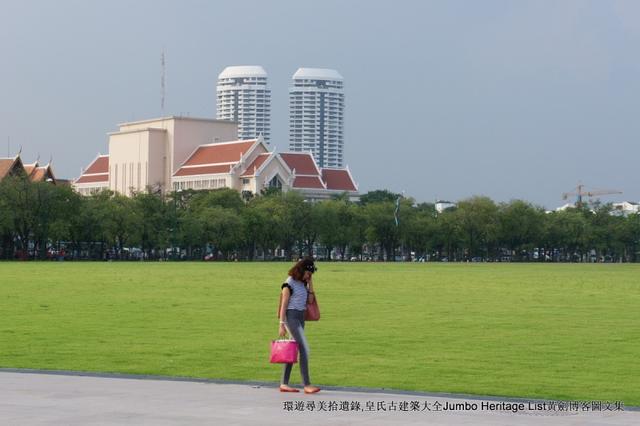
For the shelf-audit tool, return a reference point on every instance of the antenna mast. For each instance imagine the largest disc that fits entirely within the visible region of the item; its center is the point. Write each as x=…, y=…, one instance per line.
x=162, y=87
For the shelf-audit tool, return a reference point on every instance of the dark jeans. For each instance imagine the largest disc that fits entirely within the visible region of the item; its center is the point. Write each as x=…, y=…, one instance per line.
x=295, y=324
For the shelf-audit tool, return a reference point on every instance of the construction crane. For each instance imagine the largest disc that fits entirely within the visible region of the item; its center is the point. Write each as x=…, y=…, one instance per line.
x=579, y=192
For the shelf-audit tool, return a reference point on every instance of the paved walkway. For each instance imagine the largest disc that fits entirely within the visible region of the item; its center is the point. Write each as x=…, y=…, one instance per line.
x=60, y=399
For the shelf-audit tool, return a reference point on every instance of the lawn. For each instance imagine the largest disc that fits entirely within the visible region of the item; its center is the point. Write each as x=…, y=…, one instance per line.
x=524, y=330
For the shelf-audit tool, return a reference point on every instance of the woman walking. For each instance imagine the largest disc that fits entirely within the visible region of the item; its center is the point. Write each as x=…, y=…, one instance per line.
x=295, y=292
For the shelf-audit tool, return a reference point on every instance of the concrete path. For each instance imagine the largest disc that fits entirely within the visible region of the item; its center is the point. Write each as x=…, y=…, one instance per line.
x=28, y=398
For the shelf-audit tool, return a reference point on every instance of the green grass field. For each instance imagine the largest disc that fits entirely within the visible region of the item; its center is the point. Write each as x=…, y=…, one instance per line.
x=543, y=331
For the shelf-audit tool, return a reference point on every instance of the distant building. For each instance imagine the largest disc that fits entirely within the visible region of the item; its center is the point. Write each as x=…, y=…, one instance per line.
x=13, y=166
x=243, y=96
x=316, y=115
x=317, y=183
x=249, y=167
x=565, y=207
x=145, y=154
x=442, y=205
x=95, y=177
x=626, y=208
x=177, y=153
x=38, y=173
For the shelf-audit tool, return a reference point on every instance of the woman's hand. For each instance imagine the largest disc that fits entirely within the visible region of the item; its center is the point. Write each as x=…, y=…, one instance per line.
x=310, y=284
x=282, y=330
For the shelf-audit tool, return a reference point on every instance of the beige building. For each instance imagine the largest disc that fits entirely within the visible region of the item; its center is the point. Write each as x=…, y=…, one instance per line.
x=178, y=153
x=145, y=154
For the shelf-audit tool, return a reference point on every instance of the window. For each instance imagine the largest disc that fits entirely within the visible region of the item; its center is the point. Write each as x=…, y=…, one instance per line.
x=275, y=182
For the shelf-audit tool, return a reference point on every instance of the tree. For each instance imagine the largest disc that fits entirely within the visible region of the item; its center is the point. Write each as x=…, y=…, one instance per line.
x=337, y=224
x=378, y=196
x=328, y=225
x=477, y=220
x=191, y=234
x=154, y=220
x=309, y=218
x=567, y=231
x=447, y=234
x=520, y=226
x=381, y=228
x=7, y=221
x=419, y=234
x=67, y=204
x=19, y=195
x=405, y=213
x=122, y=221
x=264, y=222
x=222, y=228
x=85, y=226
x=291, y=218
x=628, y=233
x=227, y=198
x=358, y=230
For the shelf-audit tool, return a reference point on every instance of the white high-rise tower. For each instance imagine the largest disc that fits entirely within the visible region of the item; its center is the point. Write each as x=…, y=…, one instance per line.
x=243, y=96
x=316, y=115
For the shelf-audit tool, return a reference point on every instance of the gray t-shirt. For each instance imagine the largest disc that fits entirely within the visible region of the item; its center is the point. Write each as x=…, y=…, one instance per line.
x=298, y=299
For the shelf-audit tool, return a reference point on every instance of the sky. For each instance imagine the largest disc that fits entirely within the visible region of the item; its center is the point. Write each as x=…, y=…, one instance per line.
x=444, y=99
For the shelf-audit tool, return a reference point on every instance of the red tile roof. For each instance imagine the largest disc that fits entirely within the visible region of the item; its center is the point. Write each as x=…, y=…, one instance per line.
x=102, y=177
x=226, y=152
x=99, y=165
x=39, y=174
x=338, y=179
x=6, y=165
x=98, y=171
x=255, y=165
x=29, y=168
x=203, y=170
x=302, y=162
x=308, y=182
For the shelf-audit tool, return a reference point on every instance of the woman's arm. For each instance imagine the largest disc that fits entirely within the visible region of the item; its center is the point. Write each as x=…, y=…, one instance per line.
x=310, y=290
x=283, y=311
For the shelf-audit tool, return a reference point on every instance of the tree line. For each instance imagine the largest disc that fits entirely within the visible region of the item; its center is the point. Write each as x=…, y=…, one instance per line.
x=43, y=221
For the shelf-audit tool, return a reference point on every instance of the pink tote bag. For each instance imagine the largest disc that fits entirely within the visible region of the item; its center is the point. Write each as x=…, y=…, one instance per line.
x=284, y=351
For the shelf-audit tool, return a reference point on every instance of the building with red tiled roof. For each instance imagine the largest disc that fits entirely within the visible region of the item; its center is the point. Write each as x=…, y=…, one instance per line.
x=338, y=180
x=10, y=166
x=248, y=166
x=95, y=177
x=36, y=173
x=219, y=153
x=306, y=174
x=29, y=168
x=317, y=183
x=256, y=164
x=244, y=165
x=302, y=163
x=144, y=155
